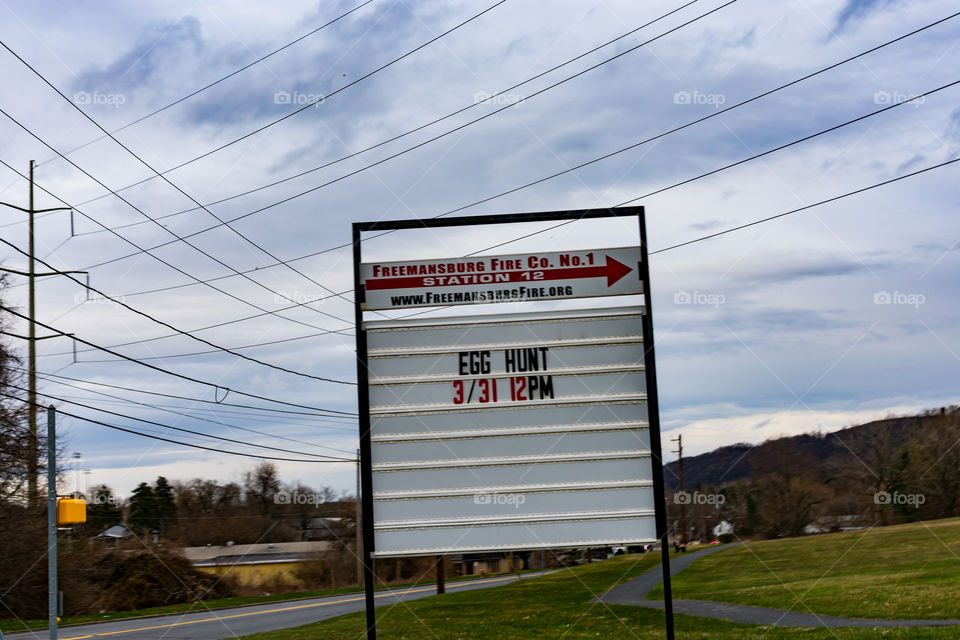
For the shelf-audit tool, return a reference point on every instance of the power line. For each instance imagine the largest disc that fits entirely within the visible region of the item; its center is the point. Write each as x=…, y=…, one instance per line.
x=259, y=247
x=804, y=208
x=219, y=80
x=822, y=132
x=658, y=251
x=914, y=98
x=344, y=332
x=661, y=190
x=917, y=97
x=702, y=238
x=199, y=412
x=216, y=387
x=184, y=444
x=735, y=106
x=128, y=401
x=144, y=214
x=323, y=458
x=571, y=169
x=743, y=226
x=185, y=333
x=203, y=353
x=728, y=166
x=795, y=142
x=138, y=247
x=556, y=84
x=672, y=186
x=423, y=143
x=406, y=133
x=47, y=376
x=321, y=99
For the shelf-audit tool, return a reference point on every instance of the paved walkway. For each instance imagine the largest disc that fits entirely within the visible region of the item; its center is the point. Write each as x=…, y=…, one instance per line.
x=635, y=591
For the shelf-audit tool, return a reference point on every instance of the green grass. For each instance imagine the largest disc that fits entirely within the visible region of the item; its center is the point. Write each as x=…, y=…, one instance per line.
x=909, y=571
x=558, y=606
x=10, y=624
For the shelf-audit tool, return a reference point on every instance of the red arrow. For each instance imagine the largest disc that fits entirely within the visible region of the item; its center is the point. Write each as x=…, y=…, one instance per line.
x=613, y=271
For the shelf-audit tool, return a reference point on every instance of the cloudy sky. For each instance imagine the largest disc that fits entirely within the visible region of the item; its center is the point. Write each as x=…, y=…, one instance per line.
x=834, y=315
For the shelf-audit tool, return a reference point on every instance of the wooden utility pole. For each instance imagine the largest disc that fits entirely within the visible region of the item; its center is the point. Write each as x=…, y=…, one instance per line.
x=683, y=505
x=33, y=441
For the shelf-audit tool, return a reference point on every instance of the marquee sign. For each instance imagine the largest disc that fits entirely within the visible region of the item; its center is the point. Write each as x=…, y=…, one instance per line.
x=512, y=431
x=494, y=432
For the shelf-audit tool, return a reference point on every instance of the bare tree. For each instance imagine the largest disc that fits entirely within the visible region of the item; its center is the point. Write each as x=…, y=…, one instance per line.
x=935, y=467
x=261, y=486
x=788, y=488
x=14, y=449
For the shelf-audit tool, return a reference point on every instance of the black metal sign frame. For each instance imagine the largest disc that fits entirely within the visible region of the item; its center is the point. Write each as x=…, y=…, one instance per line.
x=363, y=392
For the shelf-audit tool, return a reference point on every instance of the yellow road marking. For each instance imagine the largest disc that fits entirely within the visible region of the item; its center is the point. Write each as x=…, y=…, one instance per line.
x=453, y=585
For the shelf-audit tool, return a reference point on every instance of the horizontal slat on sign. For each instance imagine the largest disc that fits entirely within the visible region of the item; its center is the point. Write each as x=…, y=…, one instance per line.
x=613, y=467
x=519, y=518
x=623, y=398
x=500, y=318
x=530, y=446
x=508, y=460
x=381, y=354
x=507, y=432
x=546, y=386
x=523, y=416
x=477, y=330
x=597, y=532
x=561, y=358
x=555, y=486
x=502, y=502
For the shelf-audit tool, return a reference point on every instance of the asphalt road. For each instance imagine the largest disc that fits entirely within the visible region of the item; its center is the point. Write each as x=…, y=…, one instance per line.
x=238, y=621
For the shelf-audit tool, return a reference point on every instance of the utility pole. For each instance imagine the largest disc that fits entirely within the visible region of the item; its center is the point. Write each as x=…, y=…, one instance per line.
x=53, y=594
x=33, y=440
x=683, y=505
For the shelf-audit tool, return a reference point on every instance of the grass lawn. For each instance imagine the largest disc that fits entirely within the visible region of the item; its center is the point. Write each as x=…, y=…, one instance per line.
x=10, y=624
x=558, y=607
x=900, y=572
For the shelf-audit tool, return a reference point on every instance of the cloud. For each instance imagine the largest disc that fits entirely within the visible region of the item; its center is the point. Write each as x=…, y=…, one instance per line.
x=155, y=49
x=798, y=315
x=855, y=10
x=707, y=225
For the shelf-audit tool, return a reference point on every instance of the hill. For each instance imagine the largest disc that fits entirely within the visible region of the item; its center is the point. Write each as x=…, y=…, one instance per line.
x=838, y=449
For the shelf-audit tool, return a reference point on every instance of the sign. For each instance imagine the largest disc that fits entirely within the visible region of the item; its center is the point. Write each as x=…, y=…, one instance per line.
x=521, y=277
x=509, y=431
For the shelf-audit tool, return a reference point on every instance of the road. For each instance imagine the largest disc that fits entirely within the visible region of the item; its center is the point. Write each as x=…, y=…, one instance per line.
x=238, y=621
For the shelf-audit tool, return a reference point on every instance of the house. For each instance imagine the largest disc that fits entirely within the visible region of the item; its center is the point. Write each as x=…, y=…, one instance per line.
x=113, y=534
x=827, y=524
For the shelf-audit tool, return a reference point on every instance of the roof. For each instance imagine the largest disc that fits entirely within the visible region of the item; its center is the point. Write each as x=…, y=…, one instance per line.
x=253, y=553
x=117, y=531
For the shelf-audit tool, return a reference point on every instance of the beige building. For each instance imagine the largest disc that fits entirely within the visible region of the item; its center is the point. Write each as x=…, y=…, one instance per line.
x=254, y=564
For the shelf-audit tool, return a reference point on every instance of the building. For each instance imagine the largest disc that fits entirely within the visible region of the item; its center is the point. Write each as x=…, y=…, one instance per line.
x=254, y=565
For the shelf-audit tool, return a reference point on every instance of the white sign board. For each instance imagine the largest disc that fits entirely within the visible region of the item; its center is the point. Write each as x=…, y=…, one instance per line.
x=521, y=277
x=509, y=432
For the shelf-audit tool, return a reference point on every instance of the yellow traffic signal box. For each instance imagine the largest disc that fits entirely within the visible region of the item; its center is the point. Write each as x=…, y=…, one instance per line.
x=71, y=511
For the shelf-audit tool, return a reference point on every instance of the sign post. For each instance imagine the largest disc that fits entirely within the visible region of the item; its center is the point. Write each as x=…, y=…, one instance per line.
x=514, y=431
